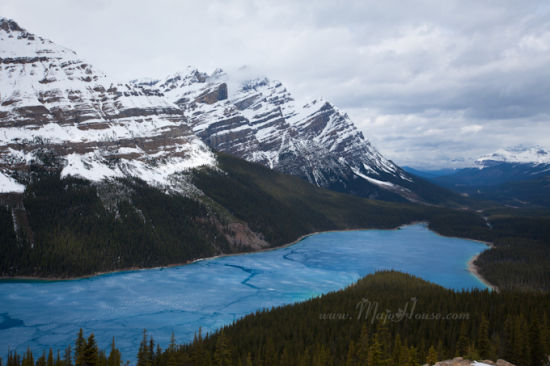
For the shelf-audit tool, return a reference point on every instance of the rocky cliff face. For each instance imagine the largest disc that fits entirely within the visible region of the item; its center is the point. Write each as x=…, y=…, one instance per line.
x=261, y=122
x=57, y=109
x=55, y=106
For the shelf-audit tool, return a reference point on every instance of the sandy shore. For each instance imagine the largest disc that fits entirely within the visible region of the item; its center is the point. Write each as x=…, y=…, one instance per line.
x=475, y=271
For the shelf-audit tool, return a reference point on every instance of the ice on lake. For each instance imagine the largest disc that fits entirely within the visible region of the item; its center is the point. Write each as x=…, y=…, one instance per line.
x=215, y=292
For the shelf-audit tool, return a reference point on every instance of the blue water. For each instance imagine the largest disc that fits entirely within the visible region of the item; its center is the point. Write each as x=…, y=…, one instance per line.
x=215, y=292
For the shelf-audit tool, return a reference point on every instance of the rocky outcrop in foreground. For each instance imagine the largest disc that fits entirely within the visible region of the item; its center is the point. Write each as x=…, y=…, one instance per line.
x=459, y=361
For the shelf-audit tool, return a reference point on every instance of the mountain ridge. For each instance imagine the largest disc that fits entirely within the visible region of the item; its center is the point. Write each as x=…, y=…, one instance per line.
x=517, y=177
x=260, y=121
x=58, y=110
x=53, y=103
x=523, y=154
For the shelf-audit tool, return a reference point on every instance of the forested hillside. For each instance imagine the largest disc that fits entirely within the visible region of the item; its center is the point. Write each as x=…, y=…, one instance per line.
x=76, y=227
x=71, y=227
x=410, y=322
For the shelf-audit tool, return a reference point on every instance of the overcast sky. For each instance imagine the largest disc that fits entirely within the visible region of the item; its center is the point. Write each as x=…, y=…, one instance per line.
x=430, y=83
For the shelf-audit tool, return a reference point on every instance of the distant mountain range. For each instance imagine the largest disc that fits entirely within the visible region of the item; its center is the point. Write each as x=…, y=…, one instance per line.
x=58, y=110
x=535, y=155
x=516, y=176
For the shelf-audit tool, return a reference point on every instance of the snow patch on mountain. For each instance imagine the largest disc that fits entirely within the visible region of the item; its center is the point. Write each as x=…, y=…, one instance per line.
x=516, y=154
x=52, y=101
x=259, y=120
x=374, y=181
x=8, y=184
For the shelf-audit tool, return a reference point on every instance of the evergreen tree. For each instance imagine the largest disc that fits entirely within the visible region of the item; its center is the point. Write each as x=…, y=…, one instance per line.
x=151, y=352
x=143, y=352
x=404, y=359
x=545, y=334
x=157, y=356
x=258, y=360
x=396, y=349
x=384, y=338
x=222, y=354
x=321, y=356
x=286, y=358
x=432, y=356
x=199, y=356
x=14, y=359
x=362, y=347
x=536, y=347
x=375, y=354
x=80, y=346
x=101, y=358
x=67, y=361
x=90, y=352
x=58, y=361
x=508, y=339
x=351, y=360
x=50, y=361
x=523, y=355
x=28, y=359
x=413, y=356
x=463, y=342
x=115, y=358
x=483, y=342
x=172, y=346
x=270, y=355
x=172, y=360
x=41, y=360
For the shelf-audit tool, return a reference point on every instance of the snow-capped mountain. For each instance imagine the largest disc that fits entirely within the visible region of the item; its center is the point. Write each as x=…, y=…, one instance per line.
x=260, y=121
x=56, y=107
x=516, y=154
x=517, y=176
x=51, y=101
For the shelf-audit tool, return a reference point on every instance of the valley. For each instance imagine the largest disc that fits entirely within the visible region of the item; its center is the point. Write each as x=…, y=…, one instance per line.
x=244, y=220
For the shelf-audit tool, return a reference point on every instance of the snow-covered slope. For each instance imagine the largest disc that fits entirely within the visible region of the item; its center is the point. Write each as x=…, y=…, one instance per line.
x=53, y=103
x=260, y=121
x=516, y=154
x=56, y=107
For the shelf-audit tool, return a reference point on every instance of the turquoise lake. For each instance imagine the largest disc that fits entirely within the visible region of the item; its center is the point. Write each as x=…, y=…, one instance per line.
x=214, y=292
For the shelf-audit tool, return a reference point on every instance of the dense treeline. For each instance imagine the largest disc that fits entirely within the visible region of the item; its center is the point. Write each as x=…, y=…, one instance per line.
x=331, y=330
x=284, y=207
x=385, y=319
x=74, y=234
x=86, y=353
x=520, y=258
x=80, y=228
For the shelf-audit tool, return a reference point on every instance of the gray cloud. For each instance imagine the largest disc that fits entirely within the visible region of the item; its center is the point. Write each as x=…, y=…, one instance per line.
x=431, y=83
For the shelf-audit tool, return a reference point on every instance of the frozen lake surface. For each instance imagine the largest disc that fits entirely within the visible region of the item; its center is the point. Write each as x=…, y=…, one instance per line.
x=215, y=292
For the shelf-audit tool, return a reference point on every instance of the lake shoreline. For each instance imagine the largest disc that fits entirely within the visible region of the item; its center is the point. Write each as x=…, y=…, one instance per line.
x=472, y=268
